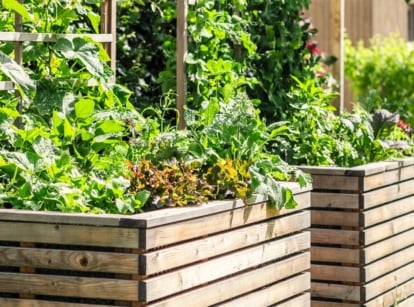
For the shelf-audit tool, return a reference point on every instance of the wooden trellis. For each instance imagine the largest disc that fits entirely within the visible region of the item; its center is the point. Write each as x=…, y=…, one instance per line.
x=108, y=38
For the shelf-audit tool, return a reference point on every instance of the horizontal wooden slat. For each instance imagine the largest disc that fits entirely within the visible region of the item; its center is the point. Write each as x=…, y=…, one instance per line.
x=69, y=234
x=228, y=288
x=174, y=215
x=336, y=218
x=167, y=258
x=397, y=294
x=11, y=302
x=409, y=302
x=335, y=291
x=340, y=273
x=335, y=200
x=390, y=281
x=74, y=260
x=206, y=225
x=320, y=303
x=302, y=300
x=335, y=254
x=192, y=276
x=389, y=264
x=386, y=230
x=387, y=194
x=335, y=183
x=335, y=236
x=81, y=287
x=275, y=293
x=388, y=211
x=387, y=247
x=50, y=37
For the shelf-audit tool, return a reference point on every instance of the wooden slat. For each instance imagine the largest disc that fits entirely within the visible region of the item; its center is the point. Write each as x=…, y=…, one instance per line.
x=345, y=183
x=302, y=300
x=49, y=37
x=340, y=273
x=167, y=258
x=192, y=276
x=205, y=225
x=335, y=236
x=74, y=260
x=389, y=264
x=335, y=254
x=174, y=215
x=228, y=288
x=11, y=302
x=389, y=281
x=387, y=247
x=387, y=178
x=318, y=303
x=397, y=294
x=387, y=194
x=388, y=211
x=335, y=291
x=409, y=302
x=336, y=218
x=69, y=234
x=275, y=293
x=82, y=287
x=388, y=229
x=335, y=200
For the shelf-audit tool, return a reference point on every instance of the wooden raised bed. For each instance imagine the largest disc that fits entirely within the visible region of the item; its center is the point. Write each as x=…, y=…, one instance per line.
x=223, y=252
x=362, y=235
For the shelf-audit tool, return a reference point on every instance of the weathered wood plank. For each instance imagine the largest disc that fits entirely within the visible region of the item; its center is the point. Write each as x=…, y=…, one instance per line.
x=318, y=303
x=387, y=282
x=69, y=234
x=206, y=225
x=335, y=200
x=388, y=211
x=396, y=295
x=11, y=302
x=335, y=291
x=387, y=194
x=386, y=230
x=228, y=288
x=192, y=276
x=331, y=182
x=82, y=287
x=335, y=254
x=388, y=264
x=340, y=273
x=167, y=258
x=74, y=260
x=335, y=236
x=273, y=294
x=409, y=302
x=302, y=300
x=387, y=247
x=336, y=218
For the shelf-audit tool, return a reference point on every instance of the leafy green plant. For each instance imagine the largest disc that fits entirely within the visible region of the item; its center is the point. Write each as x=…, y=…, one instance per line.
x=382, y=74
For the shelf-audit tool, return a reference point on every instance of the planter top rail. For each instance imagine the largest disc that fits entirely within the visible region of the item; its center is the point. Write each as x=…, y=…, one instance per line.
x=140, y=220
x=360, y=171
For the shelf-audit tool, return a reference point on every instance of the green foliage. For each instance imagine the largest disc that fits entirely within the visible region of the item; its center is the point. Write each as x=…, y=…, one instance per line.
x=382, y=74
x=314, y=135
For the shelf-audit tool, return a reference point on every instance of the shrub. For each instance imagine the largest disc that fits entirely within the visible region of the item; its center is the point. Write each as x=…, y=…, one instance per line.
x=382, y=75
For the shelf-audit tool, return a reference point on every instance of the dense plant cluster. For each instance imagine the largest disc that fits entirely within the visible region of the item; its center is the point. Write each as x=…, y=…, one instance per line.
x=382, y=75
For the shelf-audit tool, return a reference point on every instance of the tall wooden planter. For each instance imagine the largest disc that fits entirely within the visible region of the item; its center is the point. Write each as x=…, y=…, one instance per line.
x=362, y=235
x=223, y=252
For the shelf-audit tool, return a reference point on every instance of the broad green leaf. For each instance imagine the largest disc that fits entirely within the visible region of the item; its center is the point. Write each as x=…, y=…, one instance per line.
x=84, y=108
x=110, y=126
x=17, y=7
x=16, y=73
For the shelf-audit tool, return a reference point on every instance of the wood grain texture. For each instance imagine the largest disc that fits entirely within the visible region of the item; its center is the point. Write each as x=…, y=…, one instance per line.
x=196, y=250
x=11, y=302
x=74, y=260
x=335, y=236
x=335, y=254
x=195, y=275
x=338, y=273
x=69, y=234
x=223, y=290
x=336, y=218
x=335, y=291
x=275, y=293
x=400, y=294
x=83, y=287
x=335, y=200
